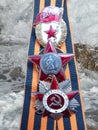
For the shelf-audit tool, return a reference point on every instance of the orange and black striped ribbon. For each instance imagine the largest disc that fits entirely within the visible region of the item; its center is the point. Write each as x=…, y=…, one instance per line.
x=30, y=120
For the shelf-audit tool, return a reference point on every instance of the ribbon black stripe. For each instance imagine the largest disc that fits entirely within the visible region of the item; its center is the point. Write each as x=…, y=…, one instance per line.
x=72, y=68
x=37, y=121
x=50, y=121
x=28, y=85
x=58, y=3
x=37, y=118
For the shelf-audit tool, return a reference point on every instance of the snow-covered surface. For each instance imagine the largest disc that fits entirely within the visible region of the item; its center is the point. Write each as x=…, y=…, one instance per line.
x=84, y=19
x=15, y=21
x=10, y=109
x=89, y=87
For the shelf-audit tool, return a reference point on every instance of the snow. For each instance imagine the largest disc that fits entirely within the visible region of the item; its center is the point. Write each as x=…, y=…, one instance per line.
x=89, y=86
x=15, y=20
x=84, y=19
x=10, y=109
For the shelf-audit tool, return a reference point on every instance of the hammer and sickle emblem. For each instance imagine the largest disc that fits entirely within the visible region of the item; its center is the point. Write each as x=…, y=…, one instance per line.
x=56, y=101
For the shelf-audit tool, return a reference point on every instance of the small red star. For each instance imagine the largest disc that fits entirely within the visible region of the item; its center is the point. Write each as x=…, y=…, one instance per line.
x=65, y=58
x=55, y=86
x=50, y=32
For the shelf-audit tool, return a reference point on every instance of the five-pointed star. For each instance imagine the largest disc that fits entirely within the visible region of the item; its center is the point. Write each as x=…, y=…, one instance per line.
x=50, y=32
x=55, y=86
x=65, y=58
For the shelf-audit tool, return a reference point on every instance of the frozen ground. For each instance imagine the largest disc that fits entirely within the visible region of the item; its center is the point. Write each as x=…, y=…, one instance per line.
x=89, y=87
x=15, y=21
x=84, y=18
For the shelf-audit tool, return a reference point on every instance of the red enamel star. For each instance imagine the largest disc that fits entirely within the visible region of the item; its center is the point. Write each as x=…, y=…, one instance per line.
x=54, y=100
x=51, y=63
x=50, y=32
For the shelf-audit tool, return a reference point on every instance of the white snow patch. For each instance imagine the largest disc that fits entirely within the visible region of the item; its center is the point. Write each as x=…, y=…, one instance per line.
x=94, y=90
x=84, y=20
x=10, y=109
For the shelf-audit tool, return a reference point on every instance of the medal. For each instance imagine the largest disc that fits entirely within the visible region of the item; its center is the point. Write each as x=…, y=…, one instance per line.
x=51, y=62
x=55, y=99
x=50, y=21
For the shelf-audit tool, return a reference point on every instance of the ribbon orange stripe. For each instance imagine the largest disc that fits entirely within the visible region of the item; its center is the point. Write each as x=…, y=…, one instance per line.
x=60, y=124
x=32, y=110
x=54, y=124
x=67, y=73
x=62, y=3
x=44, y=119
x=34, y=82
x=34, y=89
x=60, y=121
x=73, y=116
x=76, y=69
x=63, y=48
x=42, y=4
x=53, y=2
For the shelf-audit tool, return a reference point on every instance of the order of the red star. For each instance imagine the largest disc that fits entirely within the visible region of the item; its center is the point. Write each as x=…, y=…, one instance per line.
x=65, y=58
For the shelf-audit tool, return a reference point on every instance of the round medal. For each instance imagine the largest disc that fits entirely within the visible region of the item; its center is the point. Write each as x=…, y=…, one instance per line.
x=50, y=63
x=49, y=24
x=60, y=32
x=55, y=101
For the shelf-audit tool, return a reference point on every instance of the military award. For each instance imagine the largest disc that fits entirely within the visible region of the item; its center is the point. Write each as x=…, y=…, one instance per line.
x=53, y=98
x=49, y=21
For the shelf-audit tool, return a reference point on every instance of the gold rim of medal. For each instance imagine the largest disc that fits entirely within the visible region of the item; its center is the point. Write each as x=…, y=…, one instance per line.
x=62, y=29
